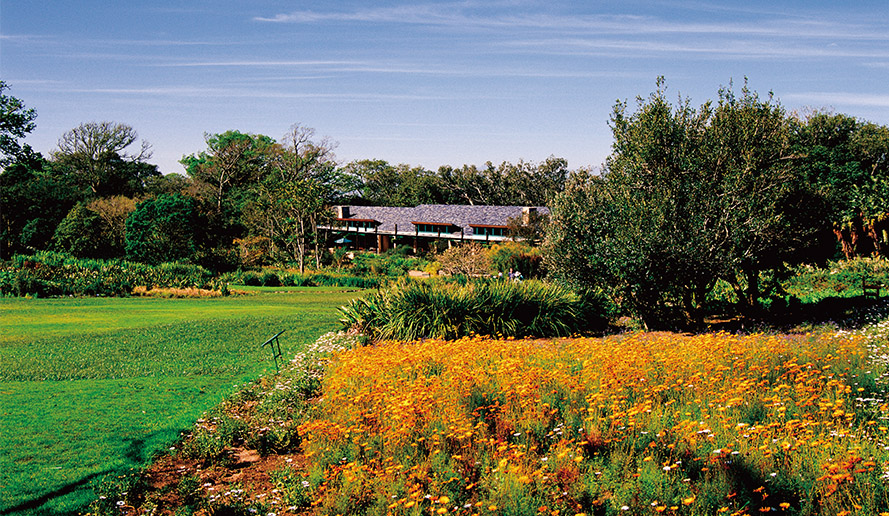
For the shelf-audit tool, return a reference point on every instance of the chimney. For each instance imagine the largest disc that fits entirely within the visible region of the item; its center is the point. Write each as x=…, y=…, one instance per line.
x=342, y=212
x=526, y=214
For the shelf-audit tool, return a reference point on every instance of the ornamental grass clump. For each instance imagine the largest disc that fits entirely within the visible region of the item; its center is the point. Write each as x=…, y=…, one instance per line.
x=417, y=309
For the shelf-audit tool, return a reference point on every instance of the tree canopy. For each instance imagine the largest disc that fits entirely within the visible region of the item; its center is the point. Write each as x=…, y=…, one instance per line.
x=95, y=155
x=16, y=121
x=688, y=196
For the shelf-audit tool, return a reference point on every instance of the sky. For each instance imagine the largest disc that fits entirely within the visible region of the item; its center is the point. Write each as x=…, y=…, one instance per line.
x=426, y=83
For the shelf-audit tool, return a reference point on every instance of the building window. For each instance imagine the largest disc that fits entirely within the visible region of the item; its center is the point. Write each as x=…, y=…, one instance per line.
x=434, y=228
x=497, y=231
x=361, y=224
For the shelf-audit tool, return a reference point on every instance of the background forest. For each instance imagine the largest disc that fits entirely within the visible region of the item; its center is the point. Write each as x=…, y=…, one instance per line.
x=691, y=200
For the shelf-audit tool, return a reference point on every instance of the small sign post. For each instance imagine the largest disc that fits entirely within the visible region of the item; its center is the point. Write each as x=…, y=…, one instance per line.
x=276, y=349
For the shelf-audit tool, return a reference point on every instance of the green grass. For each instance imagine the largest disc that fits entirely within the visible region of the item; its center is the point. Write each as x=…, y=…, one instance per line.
x=91, y=387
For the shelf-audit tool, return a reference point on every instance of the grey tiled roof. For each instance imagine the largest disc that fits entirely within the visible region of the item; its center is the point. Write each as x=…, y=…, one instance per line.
x=462, y=216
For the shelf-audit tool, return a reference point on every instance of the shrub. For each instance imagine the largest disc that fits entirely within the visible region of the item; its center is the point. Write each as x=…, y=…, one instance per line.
x=289, y=278
x=251, y=279
x=413, y=310
x=393, y=263
x=56, y=274
x=163, y=229
x=270, y=279
x=517, y=256
x=467, y=259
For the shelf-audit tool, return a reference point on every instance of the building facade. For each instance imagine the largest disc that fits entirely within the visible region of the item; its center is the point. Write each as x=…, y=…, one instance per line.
x=383, y=227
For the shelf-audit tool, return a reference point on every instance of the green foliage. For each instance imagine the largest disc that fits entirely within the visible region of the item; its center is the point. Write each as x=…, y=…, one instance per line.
x=166, y=228
x=297, y=490
x=508, y=184
x=837, y=279
x=284, y=278
x=35, y=197
x=845, y=159
x=81, y=234
x=15, y=123
x=54, y=274
x=517, y=256
x=689, y=196
x=393, y=263
x=288, y=214
x=232, y=163
x=414, y=309
x=94, y=155
x=382, y=184
x=114, y=491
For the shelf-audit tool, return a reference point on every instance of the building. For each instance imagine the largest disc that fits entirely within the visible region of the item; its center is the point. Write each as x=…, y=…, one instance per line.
x=383, y=227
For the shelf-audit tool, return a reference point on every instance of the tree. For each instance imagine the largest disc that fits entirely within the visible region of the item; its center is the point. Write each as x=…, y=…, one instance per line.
x=302, y=157
x=688, y=196
x=766, y=213
x=81, y=233
x=95, y=154
x=508, y=184
x=529, y=227
x=233, y=163
x=288, y=214
x=34, y=198
x=847, y=161
x=113, y=211
x=223, y=178
x=291, y=195
x=166, y=228
x=383, y=184
x=16, y=121
x=168, y=183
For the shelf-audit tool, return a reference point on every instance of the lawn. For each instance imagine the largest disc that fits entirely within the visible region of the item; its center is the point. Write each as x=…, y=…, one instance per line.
x=91, y=387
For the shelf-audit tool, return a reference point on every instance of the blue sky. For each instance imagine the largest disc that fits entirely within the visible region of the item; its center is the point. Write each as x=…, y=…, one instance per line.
x=426, y=83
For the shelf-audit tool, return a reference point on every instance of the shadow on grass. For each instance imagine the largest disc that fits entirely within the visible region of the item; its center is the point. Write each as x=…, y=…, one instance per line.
x=137, y=451
x=33, y=505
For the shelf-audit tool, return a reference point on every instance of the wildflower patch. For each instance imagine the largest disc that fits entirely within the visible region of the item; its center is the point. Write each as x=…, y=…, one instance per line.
x=634, y=424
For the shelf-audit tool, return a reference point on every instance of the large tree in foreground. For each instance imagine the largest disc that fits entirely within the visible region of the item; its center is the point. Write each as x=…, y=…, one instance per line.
x=688, y=196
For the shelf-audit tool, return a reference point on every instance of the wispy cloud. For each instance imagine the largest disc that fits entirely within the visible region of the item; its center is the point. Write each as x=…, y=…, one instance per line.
x=735, y=47
x=382, y=67
x=266, y=63
x=251, y=93
x=459, y=16
x=839, y=99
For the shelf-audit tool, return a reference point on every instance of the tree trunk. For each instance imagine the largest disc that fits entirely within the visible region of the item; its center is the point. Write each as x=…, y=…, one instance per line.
x=751, y=297
x=301, y=246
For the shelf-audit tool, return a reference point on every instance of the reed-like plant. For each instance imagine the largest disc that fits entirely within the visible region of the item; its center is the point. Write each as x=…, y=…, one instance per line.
x=416, y=309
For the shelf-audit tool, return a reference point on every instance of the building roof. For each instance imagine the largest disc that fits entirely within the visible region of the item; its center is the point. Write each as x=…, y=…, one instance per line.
x=464, y=217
